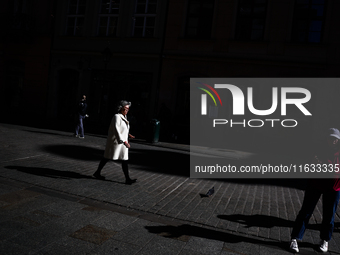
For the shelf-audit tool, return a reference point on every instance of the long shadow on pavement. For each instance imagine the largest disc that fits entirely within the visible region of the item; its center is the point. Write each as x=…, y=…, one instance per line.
x=257, y=220
x=167, y=162
x=48, y=172
x=77, y=152
x=262, y=221
x=161, y=161
x=52, y=173
x=150, y=160
x=174, y=163
x=182, y=231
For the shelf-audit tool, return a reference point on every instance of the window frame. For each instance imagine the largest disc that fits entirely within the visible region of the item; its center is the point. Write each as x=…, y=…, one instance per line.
x=200, y=20
x=296, y=33
x=76, y=17
x=144, y=15
x=109, y=18
x=20, y=6
x=252, y=17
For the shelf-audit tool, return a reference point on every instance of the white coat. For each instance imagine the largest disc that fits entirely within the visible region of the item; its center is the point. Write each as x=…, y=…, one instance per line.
x=117, y=134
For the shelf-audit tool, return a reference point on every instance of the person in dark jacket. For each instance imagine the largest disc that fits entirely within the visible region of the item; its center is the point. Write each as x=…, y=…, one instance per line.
x=329, y=189
x=80, y=116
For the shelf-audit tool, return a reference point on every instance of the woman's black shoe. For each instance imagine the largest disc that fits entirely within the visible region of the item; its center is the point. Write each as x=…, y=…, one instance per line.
x=98, y=176
x=130, y=181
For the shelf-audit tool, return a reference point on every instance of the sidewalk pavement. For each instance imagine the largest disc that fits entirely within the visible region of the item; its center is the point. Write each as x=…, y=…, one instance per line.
x=51, y=204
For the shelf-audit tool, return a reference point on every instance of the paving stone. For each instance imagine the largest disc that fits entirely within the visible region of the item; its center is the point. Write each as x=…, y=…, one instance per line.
x=272, y=250
x=190, y=252
x=162, y=245
x=115, y=221
x=205, y=246
x=53, y=179
x=13, y=249
x=93, y=234
x=78, y=219
x=11, y=228
x=116, y=247
x=9, y=212
x=17, y=196
x=242, y=246
x=136, y=233
x=6, y=189
x=62, y=207
x=67, y=245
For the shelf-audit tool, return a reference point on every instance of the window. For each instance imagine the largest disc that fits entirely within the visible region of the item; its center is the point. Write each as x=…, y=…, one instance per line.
x=20, y=6
x=308, y=21
x=144, y=19
x=108, y=18
x=22, y=18
x=251, y=20
x=199, y=18
x=75, y=17
x=108, y=88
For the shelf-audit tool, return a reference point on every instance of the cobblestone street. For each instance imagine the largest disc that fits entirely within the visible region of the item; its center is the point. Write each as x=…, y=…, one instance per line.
x=51, y=204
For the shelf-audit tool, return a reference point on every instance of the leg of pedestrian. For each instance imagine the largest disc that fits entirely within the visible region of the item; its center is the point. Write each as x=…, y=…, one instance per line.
x=125, y=168
x=310, y=200
x=330, y=202
x=101, y=165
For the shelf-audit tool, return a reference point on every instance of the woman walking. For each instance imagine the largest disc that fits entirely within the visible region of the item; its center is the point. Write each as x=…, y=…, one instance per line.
x=117, y=143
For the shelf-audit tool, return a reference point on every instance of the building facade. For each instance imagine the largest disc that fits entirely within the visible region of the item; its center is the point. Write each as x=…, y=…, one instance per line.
x=145, y=51
x=109, y=51
x=25, y=44
x=251, y=38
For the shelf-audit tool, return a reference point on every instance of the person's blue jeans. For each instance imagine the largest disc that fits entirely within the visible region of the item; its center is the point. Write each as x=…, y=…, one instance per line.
x=330, y=202
x=80, y=126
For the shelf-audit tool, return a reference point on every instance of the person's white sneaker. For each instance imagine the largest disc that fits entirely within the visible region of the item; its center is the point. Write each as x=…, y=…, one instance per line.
x=294, y=246
x=323, y=246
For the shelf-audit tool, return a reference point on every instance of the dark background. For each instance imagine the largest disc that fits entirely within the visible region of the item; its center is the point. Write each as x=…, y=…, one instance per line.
x=52, y=52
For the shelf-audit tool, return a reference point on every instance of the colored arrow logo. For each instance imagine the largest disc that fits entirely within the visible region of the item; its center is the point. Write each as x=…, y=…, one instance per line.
x=208, y=92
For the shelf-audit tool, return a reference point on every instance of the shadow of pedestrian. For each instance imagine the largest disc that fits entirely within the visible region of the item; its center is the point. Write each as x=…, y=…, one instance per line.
x=263, y=221
x=168, y=162
x=51, y=173
x=161, y=161
x=182, y=231
x=178, y=163
x=257, y=220
x=75, y=151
